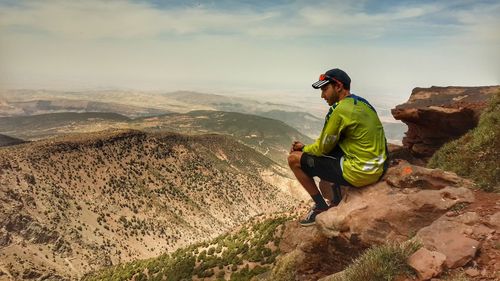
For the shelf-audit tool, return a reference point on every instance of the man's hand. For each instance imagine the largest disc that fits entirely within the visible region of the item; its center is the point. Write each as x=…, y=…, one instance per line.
x=297, y=146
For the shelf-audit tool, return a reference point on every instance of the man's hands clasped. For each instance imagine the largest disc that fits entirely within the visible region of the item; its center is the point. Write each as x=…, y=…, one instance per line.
x=296, y=146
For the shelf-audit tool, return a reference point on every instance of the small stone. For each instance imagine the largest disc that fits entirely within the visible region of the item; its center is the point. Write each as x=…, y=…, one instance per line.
x=468, y=231
x=472, y=272
x=427, y=263
x=495, y=264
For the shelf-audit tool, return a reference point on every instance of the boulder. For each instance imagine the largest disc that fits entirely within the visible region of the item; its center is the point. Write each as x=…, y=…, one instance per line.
x=410, y=197
x=495, y=221
x=437, y=115
x=456, y=237
x=427, y=264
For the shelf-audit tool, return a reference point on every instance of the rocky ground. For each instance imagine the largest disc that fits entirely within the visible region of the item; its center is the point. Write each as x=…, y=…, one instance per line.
x=453, y=222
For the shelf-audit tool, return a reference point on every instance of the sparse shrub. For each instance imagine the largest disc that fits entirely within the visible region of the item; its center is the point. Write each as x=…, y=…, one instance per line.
x=380, y=263
x=30, y=179
x=211, y=251
x=457, y=277
x=220, y=274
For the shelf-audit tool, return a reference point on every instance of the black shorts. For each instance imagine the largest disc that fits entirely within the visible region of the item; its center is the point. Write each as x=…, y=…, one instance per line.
x=325, y=167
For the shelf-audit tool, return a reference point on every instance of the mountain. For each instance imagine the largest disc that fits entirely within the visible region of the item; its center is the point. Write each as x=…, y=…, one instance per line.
x=305, y=123
x=6, y=140
x=51, y=124
x=268, y=136
x=37, y=107
x=394, y=132
x=76, y=203
x=138, y=103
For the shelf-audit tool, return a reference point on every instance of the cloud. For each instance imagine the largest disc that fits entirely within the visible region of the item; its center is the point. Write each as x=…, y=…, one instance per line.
x=121, y=20
x=95, y=20
x=230, y=44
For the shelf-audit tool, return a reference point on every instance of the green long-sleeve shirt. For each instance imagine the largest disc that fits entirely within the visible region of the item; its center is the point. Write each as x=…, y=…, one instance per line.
x=355, y=126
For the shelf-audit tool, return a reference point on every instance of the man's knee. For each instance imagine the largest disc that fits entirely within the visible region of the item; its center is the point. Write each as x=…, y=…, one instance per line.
x=294, y=159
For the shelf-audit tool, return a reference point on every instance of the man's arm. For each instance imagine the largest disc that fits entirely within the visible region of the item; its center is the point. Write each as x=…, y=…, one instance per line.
x=329, y=135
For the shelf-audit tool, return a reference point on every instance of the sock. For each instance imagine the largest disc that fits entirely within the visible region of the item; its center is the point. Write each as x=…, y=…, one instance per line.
x=320, y=202
x=337, y=195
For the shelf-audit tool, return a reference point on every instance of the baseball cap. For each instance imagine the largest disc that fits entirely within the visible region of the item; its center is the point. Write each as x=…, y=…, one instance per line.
x=335, y=74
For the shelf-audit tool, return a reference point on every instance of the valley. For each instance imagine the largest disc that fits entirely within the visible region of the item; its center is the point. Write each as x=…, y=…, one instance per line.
x=91, y=200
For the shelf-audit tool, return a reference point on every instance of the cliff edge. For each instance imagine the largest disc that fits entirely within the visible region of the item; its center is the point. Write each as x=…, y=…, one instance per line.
x=437, y=115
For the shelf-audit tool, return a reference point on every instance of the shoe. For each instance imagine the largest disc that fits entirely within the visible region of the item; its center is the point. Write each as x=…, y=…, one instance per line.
x=311, y=216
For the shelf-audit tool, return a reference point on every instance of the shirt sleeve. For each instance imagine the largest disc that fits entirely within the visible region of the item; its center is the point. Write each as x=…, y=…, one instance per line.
x=329, y=135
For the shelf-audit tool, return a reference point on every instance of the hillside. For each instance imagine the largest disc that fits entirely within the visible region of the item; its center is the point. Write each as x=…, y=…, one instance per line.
x=476, y=154
x=52, y=124
x=239, y=255
x=6, y=140
x=77, y=203
x=270, y=137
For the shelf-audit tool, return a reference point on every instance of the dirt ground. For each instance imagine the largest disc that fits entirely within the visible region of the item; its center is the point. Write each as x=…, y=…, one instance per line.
x=486, y=265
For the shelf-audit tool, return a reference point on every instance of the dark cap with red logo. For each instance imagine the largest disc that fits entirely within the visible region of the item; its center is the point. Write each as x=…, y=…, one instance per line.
x=333, y=75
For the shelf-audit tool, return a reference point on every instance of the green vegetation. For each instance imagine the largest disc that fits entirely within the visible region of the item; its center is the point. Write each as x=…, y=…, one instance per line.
x=380, y=263
x=457, y=277
x=475, y=155
x=242, y=255
x=284, y=270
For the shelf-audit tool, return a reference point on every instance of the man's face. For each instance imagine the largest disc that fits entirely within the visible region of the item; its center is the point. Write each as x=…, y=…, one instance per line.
x=330, y=93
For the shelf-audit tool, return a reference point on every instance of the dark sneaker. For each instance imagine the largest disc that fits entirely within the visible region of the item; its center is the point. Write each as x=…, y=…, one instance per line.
x=311, y=217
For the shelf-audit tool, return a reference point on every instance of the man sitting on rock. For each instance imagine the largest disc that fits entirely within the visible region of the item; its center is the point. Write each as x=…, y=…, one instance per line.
x=351, y=149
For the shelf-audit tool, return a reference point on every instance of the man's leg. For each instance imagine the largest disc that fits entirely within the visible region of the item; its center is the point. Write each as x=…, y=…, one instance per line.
x=326, y=190
x=331, y=191
x=306, y=181
x=309, y=185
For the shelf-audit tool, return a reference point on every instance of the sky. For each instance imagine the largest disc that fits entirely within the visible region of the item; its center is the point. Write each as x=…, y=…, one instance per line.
x=255, y=48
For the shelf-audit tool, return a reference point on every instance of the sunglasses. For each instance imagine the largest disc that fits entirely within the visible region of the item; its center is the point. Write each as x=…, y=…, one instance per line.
x=323, y=77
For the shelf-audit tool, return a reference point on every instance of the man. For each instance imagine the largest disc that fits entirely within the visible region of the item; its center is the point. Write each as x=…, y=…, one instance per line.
x=351, y=149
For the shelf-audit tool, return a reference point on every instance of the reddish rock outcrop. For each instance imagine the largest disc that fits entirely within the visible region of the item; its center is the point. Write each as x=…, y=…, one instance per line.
x=408, y=201
x=437, y=115
x=410, y=197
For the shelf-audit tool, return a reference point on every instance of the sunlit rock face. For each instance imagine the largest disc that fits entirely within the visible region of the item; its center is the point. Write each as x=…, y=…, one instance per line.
x=437, y=115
